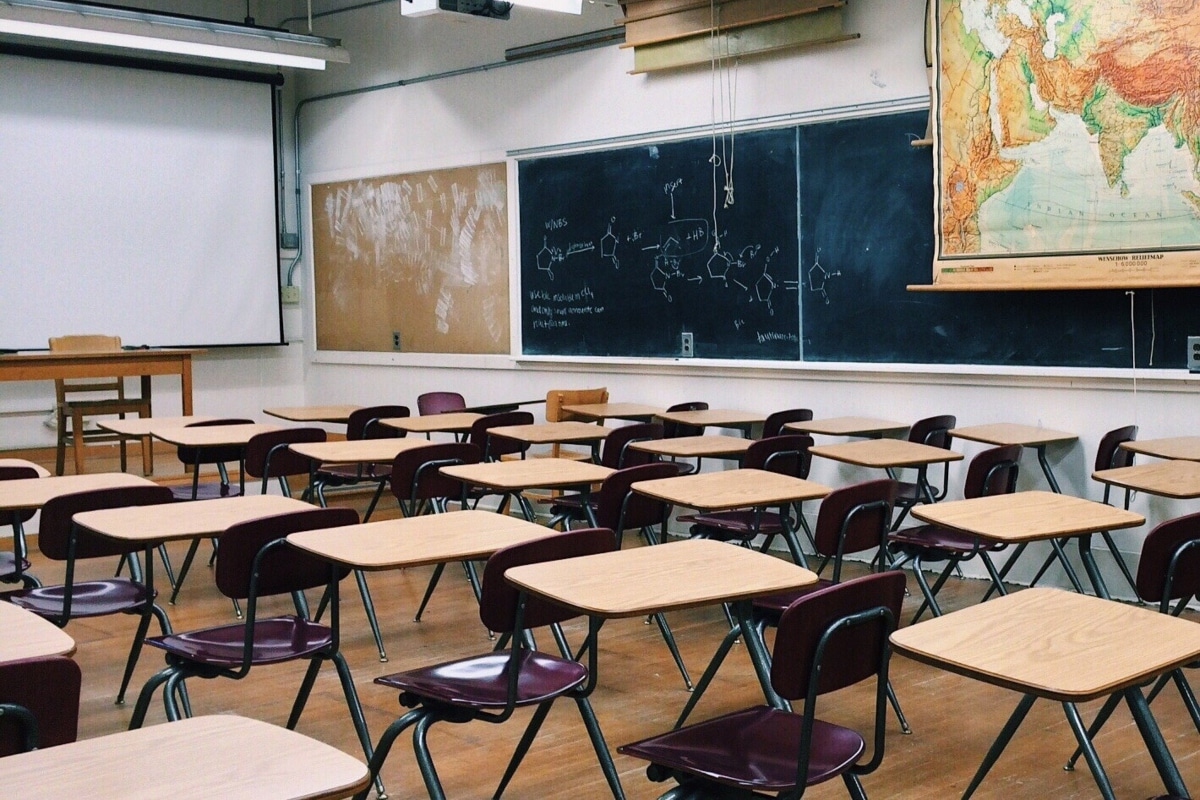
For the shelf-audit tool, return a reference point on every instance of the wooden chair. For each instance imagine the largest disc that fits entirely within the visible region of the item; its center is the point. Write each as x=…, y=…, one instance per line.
x=76, y=401
x=555, y=400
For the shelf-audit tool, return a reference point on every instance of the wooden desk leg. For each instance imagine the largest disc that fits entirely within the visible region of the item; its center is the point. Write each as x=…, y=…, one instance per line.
x=185, y=385
x=77, y=440
x=147, y=441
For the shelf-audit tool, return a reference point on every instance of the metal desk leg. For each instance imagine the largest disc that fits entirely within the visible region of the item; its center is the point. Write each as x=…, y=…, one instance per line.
x=1002, y=740
x=1041, y=456
x=1152, y=736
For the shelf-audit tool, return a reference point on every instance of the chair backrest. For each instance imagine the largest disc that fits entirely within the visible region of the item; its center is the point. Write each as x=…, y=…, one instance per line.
x=440, y=402
x=1110, y=454
x=853, y=653
x=268, y=456
x=617, y=453
x=48, y=689
x=675, y=430
x=619, y=508
x=416, y=473
x=1169, y=567
x=56, y=527
x=359, y=425
x=494, y=447
x=283, y=569
x=773, y=424
x=212, y=455
x=787, y=455
x=17, y=473
x=557, y=398
x=498, y=598
x=86, y=343
x=854, y=519
x=933, y=431
x=993, y=471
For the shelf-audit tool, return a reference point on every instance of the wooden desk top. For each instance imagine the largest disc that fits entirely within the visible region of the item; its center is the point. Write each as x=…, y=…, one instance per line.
x=696, y=446
x=631, y=411
x=225, y=756
x=735, y=488
x=1027, y=516
x=146, y=426
x=1053, y=643
x=34, y=492
x=450, y=422
x=212, y=435
x=847, y=426
x=531, y=473
x=715, y=418
x=333, y=414
x=170, y=521
x=663, y=577
x=20, y=462
x=1183, y=448
x=419, y=541
x=1005, y=433
x=885, y=453
x=1177, y=479
x=26, y=635
x=357, y=451
x=569, y=432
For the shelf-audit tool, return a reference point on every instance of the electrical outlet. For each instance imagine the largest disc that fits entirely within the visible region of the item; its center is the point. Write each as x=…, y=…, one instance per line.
x=1193, y=356
x=290, y=295
x=395, y=340
x=685, y=345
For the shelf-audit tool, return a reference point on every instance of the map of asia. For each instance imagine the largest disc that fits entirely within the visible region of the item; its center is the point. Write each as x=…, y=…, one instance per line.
x=1067, y=143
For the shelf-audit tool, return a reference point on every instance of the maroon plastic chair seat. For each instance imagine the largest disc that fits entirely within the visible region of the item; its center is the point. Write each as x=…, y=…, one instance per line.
x=440, y=403
x=827, y=640
x=268, y=455
x=277, y=639
x=773, y=424
x=491, y=686
x=44, y=690
x=993, y=471
x=59, y=539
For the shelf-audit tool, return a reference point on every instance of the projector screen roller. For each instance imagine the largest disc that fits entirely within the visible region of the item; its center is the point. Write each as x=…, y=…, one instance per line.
x=136, y=203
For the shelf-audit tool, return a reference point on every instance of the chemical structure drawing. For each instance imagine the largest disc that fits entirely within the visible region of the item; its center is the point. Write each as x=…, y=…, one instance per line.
x=548, y=256
x=608, y=245
x=818, y=277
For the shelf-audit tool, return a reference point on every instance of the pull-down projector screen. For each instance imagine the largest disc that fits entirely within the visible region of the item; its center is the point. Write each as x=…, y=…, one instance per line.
x=136, y=203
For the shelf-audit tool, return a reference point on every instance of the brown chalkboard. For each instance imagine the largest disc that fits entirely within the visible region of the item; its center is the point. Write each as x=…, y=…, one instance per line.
x=416, y=263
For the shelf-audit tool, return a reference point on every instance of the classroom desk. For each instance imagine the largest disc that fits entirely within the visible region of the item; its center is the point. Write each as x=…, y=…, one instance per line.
x=210, y=435
x=121, y=363
x=349, y=452
x=336, y=414
x=1006, y=433
x=737, y=488
x=1070, y=648
x=137, y=427
x=734, y=447
x=222, y=755
x=885, y=453
x=567, y=432
x=1022, y=517
x=26, y=635
x=635, y=412
x=456, y=422
x=419, y=541
x=641, y=581
x=510, y=478
x=29, y=494
x=848, y=426
x=1182, y=448
x=42, y=472
x=1179, y=480
x=716, y=418
x=499, y=408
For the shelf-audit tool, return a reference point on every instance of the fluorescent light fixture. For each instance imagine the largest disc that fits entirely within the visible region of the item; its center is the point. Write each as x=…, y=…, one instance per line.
x=163, y=33
x=565, y=6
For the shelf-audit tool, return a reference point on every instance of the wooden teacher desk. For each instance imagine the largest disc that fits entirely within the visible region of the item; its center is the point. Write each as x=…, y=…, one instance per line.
x=223, y=755
x=118, y=363
x=26, y=635
x=1065, y=647
x=1023, y=517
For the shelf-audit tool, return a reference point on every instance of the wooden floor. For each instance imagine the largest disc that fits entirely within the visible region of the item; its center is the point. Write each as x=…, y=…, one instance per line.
x=640, y=693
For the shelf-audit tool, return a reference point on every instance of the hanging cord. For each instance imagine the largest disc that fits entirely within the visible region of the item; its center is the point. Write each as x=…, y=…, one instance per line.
x=1153, y=329
x=714, y=71
x=1133, y=348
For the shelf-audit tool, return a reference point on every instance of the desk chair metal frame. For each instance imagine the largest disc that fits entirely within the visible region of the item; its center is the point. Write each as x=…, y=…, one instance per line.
x=853, y=519
x=935, y=432
x=992, y=471
x=71, y=414
x=492, y=686
x=39, y=703
x=363, y=423
x=60, y=539
x=827, y=640
x=255, y=561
